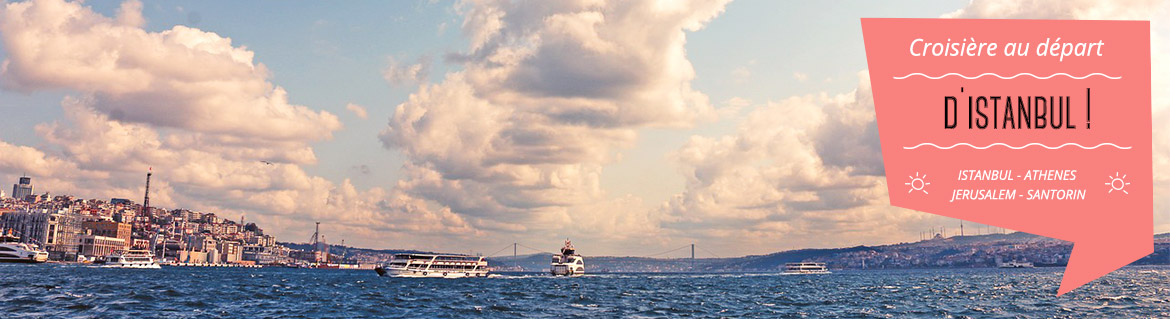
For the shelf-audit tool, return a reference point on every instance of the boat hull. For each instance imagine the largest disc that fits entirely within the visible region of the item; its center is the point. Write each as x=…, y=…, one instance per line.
x=404, y=273
x=807, y=273
x=567, y=270
x=22, y=260
x=133, y=266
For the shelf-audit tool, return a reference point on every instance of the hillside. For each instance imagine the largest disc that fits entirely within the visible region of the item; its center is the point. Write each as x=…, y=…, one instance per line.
x=958, y=251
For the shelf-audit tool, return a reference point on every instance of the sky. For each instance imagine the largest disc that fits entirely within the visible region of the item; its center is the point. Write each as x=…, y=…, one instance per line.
x=631, y=127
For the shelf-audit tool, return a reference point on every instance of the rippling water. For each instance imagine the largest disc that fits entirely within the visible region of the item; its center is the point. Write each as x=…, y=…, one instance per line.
x=55, y=291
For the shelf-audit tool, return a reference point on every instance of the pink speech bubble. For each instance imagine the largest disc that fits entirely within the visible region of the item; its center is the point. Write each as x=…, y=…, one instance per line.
x=1087, y=180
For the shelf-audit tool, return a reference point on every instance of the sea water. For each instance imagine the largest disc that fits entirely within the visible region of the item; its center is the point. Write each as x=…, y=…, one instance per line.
x=68, y=291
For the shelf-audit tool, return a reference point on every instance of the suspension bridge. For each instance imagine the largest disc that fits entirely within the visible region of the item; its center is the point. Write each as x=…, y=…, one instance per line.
x=691, y=252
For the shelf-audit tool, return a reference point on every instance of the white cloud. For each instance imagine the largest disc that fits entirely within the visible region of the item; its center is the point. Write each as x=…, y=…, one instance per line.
x=358, y=110
x=201, y=113
x=130, y=14
x=398, y=73
x=549, y=91
x=795, y=170
x=182, y=77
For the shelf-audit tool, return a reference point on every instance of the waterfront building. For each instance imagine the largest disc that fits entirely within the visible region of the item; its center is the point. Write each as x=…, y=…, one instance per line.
x=202, y=242
x=57, y=231
x=230, y=251
x=109, y=228
x=23, y=188
x=192, y=257
x=95, y=245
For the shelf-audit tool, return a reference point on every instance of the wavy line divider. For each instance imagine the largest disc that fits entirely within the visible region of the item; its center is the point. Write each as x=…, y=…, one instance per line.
x=1008, y=78
x=1016, y=147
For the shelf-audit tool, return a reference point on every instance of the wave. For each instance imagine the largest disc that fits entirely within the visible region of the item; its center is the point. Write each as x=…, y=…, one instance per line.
x=1016, y=147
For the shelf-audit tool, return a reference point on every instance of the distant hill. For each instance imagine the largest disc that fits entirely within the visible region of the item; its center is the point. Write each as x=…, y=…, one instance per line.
x=354, y=254
x=957, y=251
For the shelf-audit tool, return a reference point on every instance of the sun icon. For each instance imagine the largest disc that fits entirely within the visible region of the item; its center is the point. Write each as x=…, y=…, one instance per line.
x=918, y=183
x=1117, y=183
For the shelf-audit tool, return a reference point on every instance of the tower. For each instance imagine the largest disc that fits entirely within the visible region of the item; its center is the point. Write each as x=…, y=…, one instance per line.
x=320, y=250
x=23, y=188
x=316, y=235
x=146, y=199
x=692, y=257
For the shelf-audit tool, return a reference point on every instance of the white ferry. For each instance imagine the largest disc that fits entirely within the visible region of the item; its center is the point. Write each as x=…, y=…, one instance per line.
x=805, y=268
x=13, y=251
x=1016, y=264
x=439, y=266
x=130, y=259
x=568, y=263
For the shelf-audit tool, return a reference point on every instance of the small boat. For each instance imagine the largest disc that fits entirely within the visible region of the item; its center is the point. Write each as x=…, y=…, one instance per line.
x=568, y=263
x=1016, y=264
x=439, y=266
x=805, y=268
x=130, y=259
x=13, y=251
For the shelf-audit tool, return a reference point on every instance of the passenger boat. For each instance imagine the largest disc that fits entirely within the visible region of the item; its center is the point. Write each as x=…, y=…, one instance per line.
x=805, y=268
x=130, y=259
x=568, y=263
x=1016, y=264
x=439, y=266
x=13, y=251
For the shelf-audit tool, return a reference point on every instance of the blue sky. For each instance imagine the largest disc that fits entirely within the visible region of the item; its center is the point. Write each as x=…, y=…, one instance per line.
x=722, y=171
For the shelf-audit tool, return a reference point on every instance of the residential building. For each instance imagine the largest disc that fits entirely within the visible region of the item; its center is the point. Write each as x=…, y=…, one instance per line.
x=231, y=252
x=109, y=228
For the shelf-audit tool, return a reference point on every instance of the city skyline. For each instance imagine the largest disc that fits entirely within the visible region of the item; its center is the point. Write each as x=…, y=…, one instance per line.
x=711, y=122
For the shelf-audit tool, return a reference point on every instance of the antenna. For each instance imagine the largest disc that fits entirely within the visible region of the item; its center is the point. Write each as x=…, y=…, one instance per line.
x=316, y=234
x=146, y=199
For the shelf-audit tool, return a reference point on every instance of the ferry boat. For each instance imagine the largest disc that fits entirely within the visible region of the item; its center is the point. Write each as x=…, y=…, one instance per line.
x=130, y=259
x=439, y=266
x=805, y=268
x=1016, y=264
x=13, y=251
x=568, y=263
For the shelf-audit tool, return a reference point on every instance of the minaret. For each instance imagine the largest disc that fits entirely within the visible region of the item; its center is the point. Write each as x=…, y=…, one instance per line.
x=146, y=199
